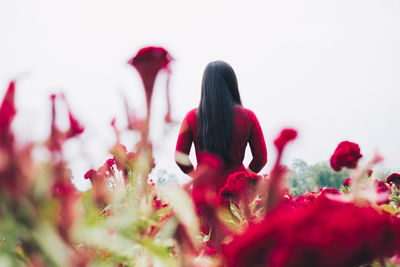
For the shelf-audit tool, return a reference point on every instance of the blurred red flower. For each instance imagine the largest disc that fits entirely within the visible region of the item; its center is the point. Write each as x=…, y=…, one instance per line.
x=347, y=155
x=58, y=137
x=382, y=187
x=285, y=136
x=7, y=114
x=326, y=233
x=158, y=204
x=67, y=195
x=209, y=248
x=90, y=174
x=204, y=192
x=347, y=182
x=394, y=178
x=325, y=191
x=75, y=127
x=99, y=185
x=237, y=186
x=148, y=62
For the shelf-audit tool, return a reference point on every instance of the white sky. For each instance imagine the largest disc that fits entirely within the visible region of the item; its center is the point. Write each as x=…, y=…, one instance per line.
x=330, y=69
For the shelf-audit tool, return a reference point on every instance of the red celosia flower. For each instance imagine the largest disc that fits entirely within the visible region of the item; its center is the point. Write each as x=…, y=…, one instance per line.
x=369, y=172
x=16, y=175
x=209, y=248
x=347, y=182
x=285, y=136
x=332, y=191
x=276, y=192
x=65, y=192
x=63, y=188
x=347, y=155
x=237, y=185
x=57, y=137
x=122, y=161
x=232, y=188
x=206, y=184
x=325, y=233
x=98, y=181
x=148, y=62
x=109, y=163
x=90, y=174
x=13, y=179
x=158, y=204
x=55, y=142
x=394, y=178
x=108, y=168
x=303, y=200
x=382, y=187
x=7, y=114
x=75, y=127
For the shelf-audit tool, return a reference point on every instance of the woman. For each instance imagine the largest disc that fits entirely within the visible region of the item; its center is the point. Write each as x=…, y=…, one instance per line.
x=221, y=126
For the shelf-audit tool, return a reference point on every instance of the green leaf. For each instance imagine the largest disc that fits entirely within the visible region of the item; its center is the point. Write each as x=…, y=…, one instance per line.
x=235, y=211
x=52, y=245
x=100, y=237
x=184, y=211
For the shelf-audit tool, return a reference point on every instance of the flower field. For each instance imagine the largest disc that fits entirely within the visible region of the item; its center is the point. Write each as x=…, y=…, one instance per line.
x=125, y=219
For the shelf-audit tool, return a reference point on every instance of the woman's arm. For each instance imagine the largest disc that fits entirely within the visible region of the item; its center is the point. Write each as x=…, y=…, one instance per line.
x=257, y=145
x=183, y=145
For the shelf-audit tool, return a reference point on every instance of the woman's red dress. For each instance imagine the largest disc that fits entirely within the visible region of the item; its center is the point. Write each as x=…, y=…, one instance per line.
x=247, y=129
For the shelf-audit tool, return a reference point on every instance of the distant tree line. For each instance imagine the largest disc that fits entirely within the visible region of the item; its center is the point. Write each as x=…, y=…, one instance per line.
x=305, y=178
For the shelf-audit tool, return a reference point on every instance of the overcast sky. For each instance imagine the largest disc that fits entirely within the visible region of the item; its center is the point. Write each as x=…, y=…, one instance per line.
x=330, y=69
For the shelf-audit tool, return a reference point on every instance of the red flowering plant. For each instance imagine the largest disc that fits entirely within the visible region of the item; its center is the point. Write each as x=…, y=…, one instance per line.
x=240, y=187
x=347, y=155
x=304, y=231
x=15, y=162
x=239, y=201
x=148, y=220
x=394, y=181
x=327, y=233
x=149, y=61
x=363, y=185
x=122, y=220
x=39, y=203
x=276, y=191
x=347, y=182
x=394, y=178
x=346, y=185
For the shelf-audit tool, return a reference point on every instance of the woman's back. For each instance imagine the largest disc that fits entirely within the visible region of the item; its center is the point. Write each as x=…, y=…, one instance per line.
x=246, y=129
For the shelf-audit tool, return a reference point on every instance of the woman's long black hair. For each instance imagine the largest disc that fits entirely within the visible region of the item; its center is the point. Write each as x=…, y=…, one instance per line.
x=215, y=115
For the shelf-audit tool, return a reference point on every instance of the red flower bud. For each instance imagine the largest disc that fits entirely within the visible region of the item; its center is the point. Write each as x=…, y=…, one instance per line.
x=285, y=136
x=394, y=178
x=75, y=127
x=347, y=182
x=347, y=155
x=7, y=114
x=90, y=174
x=148, y=62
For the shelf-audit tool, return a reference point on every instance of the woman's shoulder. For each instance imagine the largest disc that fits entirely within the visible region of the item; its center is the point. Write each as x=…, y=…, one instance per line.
x=191, y=115
x=250, y=114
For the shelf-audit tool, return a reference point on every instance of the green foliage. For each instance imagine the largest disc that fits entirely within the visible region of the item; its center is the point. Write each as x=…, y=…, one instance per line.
x=395, y=197
x=305, y=178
